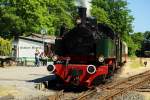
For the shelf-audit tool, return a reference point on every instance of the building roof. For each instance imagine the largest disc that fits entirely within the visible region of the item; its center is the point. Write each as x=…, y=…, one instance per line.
x=39, y=38
x=34, y=35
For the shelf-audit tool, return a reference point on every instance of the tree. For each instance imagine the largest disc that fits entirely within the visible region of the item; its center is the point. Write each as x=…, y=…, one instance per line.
x=114, y=13
x=99, y=11
x=137, y=39
x=131, y=46
x=5, y=47
x=147, y=35
x=23, y=16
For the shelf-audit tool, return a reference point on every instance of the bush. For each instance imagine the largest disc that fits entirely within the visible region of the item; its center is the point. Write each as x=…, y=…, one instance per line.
x=5, y=47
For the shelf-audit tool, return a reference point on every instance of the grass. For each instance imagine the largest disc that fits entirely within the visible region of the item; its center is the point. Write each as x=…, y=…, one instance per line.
x=136, y=64
x=133, y=58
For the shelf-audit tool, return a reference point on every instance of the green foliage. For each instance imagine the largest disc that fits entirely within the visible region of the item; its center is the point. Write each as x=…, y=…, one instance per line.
x=116, y=14
x=28, y=16
x=131, y=46
x=101, y=15
x=147, y=35
x=22, y=16
x=137, y=39
x=5, y=47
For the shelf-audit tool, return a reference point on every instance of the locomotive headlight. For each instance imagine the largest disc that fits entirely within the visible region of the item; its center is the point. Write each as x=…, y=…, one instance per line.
x=78, y=21
x=51, y=68
x=91, y=69
x=101, y=59
x=55, y=57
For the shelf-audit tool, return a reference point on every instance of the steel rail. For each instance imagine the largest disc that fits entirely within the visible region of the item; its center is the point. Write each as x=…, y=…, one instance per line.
x=128, y=79
x=125, y=89
x=145, y=77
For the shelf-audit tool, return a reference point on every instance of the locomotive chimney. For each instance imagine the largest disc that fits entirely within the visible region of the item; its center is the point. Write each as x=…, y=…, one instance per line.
x=82, y=14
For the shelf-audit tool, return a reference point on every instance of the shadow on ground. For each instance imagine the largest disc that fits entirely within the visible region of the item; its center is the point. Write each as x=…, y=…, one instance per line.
x=50, y=82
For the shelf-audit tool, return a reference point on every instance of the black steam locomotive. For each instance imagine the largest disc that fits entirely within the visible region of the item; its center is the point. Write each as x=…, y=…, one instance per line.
x=88, y=53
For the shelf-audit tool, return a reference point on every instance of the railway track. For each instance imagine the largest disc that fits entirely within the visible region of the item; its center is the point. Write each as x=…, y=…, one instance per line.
x=111, y=90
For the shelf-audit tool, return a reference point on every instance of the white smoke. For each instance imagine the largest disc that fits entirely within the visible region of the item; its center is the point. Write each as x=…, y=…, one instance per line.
x=85, y=3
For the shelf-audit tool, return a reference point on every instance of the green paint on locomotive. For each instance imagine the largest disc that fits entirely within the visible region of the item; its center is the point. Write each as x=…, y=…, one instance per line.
x=106, y=48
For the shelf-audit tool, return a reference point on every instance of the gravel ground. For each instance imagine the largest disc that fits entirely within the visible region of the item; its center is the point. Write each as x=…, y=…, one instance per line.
x=134, y=67
x=18, y=83
x=23, y=73
x=131, y=95
x=131, y=68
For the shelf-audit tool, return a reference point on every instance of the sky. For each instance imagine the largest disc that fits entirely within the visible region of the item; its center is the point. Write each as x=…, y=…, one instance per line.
x=140, y=9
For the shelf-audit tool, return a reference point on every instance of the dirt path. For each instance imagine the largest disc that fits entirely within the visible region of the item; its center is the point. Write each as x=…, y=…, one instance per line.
x=134, y=66
x=19, y=83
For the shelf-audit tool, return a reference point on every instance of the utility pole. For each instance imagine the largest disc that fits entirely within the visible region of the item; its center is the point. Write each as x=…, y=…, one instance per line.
x=43, y=32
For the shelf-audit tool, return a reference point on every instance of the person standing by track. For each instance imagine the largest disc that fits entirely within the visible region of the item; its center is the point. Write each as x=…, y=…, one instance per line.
x=37, y=56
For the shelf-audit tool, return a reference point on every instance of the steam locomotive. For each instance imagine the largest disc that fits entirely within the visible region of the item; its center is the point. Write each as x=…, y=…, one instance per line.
x=145, y=50
x=88, y=53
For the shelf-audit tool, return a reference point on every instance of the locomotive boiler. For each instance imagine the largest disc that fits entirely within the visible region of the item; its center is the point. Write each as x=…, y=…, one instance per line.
x=88, y=53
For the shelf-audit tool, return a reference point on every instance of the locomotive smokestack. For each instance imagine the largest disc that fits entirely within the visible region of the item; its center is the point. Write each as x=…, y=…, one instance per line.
x=82, y=14
x=86, y=4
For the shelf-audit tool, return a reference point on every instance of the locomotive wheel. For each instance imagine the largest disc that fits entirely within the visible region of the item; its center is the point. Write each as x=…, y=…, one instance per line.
x=52, y=83
x=55, y=84
x=111, y=70
x=99, y=80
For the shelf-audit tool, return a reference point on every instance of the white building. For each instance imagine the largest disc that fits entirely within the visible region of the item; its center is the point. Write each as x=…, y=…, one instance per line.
x=24, y=47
